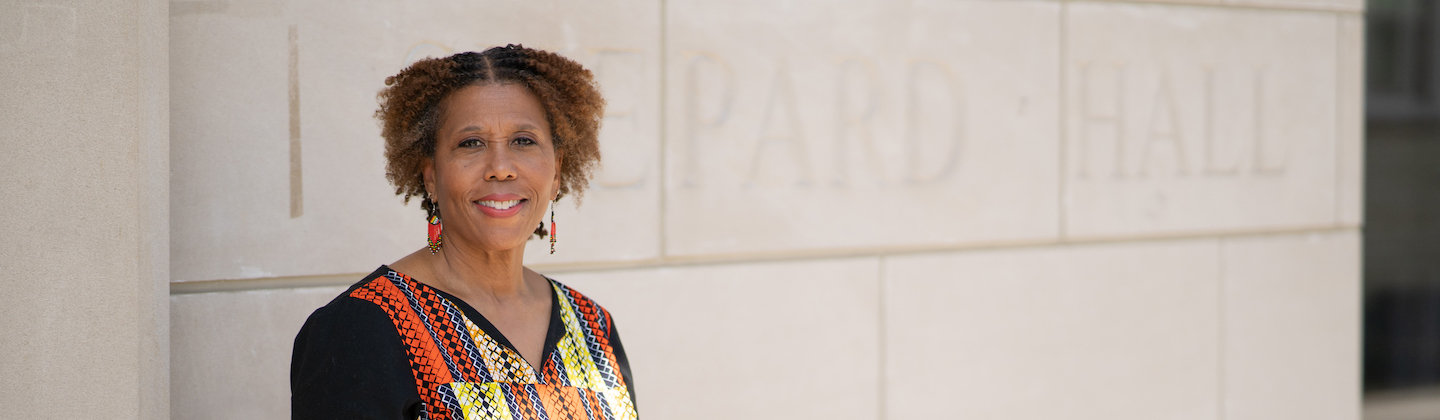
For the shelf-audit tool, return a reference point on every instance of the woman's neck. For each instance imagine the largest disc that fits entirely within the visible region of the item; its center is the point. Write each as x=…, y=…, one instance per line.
x=499, y=275
x=479, y=277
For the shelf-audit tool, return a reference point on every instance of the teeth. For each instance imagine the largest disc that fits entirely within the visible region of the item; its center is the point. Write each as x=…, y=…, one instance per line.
x=499, y=205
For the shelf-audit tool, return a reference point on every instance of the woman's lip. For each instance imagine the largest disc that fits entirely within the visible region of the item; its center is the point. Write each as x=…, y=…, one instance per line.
x=501, y=197
x=494, y=212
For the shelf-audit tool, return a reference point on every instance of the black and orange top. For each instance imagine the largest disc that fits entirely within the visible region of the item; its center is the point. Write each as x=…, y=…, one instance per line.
x=391, y=347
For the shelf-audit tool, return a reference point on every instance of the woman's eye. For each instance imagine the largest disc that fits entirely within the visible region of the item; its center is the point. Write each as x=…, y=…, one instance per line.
x=472, y=143
x=525, y=141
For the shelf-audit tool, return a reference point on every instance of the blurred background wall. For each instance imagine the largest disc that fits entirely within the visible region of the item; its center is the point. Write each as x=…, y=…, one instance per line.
x=856, y=209
x=1402, y=209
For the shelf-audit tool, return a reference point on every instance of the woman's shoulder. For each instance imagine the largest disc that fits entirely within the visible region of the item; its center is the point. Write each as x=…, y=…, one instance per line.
x=347, y=328
x=347, y=360
x=350, y=307
x=372, y=290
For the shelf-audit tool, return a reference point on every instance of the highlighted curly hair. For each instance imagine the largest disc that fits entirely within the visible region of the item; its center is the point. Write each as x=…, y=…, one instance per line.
x=410, y=111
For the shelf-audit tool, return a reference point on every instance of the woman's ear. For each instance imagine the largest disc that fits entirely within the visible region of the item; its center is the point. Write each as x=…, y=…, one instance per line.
x=559, y=169
x=427, y=171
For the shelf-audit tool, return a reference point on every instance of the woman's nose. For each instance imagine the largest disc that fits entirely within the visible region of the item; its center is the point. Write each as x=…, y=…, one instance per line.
x=500, y=165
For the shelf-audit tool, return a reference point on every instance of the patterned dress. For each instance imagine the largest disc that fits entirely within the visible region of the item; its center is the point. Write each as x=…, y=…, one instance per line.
x=455, y=364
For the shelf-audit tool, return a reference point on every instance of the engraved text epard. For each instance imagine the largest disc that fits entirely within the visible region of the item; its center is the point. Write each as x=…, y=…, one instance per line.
x=765, y=141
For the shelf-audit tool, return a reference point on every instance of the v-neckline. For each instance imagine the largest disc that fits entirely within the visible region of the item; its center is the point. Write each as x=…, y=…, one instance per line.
x=553, y=332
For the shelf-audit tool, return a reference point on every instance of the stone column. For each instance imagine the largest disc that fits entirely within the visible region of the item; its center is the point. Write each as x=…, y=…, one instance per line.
x=84, y=218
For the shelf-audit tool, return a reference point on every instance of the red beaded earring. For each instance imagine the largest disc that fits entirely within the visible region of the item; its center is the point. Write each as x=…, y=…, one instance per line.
x=435, y=227
x=552, y=223
x=434, y=234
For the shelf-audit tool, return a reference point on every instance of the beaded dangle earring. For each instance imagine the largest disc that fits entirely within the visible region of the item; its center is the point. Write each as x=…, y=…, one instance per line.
x=552, y=223
x=434, y=228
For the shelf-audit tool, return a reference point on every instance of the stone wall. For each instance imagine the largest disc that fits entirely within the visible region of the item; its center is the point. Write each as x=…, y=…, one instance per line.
x=810, y=209
x=84, y=221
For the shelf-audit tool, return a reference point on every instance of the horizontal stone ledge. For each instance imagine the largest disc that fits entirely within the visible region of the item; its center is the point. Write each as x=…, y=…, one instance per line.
x=1351, y=7
x=331, y=280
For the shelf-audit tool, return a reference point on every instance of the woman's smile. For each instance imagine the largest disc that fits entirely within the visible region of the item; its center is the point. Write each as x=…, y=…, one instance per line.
x=500, y=205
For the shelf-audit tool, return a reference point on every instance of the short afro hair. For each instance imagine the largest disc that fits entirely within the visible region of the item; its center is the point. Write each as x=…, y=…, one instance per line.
x=410, y=111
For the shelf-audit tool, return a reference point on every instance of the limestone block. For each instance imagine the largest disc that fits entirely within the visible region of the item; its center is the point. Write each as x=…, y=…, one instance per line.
x=1335, y=5
x=1204, y=2
x=1186, y=119
x=754, y=341
x=1292, y=327
x=812, y=124
x=278, y=162
x=1076, y=332
x=230, y=352
x=83, y=239
x=1322, y=5
x=1351, y=133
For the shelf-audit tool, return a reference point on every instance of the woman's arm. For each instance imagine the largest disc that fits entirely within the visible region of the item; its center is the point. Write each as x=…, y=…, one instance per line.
x=349, y=363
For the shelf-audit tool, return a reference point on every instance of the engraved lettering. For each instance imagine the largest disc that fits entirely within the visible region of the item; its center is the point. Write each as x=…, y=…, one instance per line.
x=935, y=116
x=1163, y=128
x=703, y=74
x=1212, y=168
x=858, y=100
x=1261, y=167
x=1234, y=141
x=780, y=126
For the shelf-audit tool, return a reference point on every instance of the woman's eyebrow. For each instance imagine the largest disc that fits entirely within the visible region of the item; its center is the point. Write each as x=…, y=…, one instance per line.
x=470, y=128
x=518, y=127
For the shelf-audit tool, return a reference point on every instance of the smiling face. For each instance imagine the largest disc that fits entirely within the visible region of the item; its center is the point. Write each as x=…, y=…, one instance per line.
x=494, y=169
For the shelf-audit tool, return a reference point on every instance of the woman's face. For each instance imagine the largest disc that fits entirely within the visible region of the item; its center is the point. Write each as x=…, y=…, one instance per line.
x=494, y=168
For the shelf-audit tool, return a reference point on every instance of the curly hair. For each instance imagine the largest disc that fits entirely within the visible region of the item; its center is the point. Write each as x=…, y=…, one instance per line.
x=410, y=111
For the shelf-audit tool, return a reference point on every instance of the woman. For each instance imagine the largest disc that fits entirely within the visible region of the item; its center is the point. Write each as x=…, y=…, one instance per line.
x=461, y=329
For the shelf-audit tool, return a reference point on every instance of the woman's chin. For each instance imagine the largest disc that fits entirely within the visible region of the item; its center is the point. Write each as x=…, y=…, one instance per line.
x=500, y=240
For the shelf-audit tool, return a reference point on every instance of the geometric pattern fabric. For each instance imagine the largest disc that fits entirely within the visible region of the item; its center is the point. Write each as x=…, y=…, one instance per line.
x=464, y=374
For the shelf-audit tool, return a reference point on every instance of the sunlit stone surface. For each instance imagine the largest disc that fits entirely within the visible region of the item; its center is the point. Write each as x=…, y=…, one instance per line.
x=1193, y=119
x=809, y=209
x=807, y=125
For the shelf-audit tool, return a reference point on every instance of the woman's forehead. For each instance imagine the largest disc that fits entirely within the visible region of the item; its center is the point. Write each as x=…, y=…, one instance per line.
x=491, y=106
